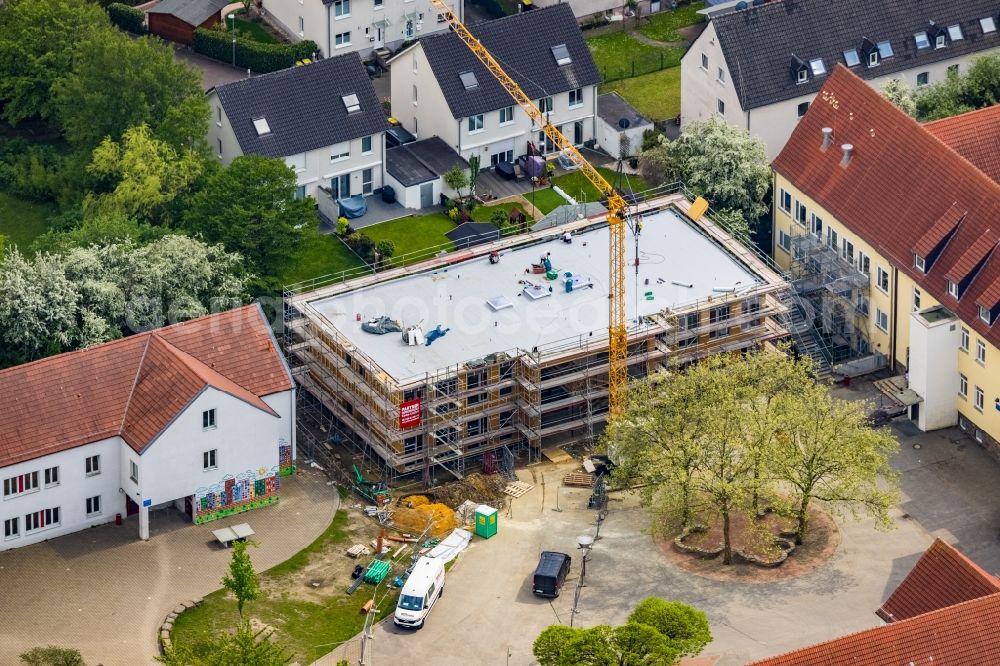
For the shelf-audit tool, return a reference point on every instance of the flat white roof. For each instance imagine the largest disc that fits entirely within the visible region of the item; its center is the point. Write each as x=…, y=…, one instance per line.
x=677, y=265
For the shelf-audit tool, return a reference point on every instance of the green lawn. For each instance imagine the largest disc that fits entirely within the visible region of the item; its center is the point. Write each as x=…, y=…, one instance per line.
x=22, y=221
x=485, y=213
x=619, y=55
x=576, y=185
x=546, y=200
x=663, y=26
x=657, y=96
x=417, y=237
x=252, y=29
x=308, y=629
x=320, y=255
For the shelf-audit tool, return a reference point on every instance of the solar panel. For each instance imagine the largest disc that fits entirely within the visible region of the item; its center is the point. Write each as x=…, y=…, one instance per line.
x=469, y=80
x=561, y=54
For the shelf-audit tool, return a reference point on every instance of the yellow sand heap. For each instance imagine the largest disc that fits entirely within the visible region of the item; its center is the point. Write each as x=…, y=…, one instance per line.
x=414, y=513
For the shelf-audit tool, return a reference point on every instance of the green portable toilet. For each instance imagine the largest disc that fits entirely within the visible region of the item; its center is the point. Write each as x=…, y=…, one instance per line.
x=486, y=521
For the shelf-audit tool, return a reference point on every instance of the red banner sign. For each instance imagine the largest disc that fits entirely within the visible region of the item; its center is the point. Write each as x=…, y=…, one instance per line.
x=409, y=413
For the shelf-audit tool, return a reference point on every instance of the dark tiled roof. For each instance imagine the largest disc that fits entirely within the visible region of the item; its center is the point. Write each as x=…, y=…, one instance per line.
x=899, y=183
x=473, y=233
x=612, y=107
x=760, y=43
x=522, y=44
x=942, y=577
x=192, y=12
x=975, y=136
x=303, y=107
x=421, y=161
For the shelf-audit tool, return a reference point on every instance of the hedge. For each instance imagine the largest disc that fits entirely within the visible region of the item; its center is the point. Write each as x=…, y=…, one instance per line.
x=255, y=56
x=127, y=18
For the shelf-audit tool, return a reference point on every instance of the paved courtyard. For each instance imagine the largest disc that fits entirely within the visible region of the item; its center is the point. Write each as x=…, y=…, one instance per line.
x=105, y=592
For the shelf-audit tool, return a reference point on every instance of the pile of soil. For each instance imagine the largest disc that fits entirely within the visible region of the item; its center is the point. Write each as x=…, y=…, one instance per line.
x=478, y=488
x=413, y=514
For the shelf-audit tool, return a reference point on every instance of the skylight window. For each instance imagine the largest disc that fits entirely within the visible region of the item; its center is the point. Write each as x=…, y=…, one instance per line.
x=469, y=80
x=988, y=25
x=817, y=67
x=561, y=54
x=851, y=57
x=955, y=32
x=351, y=103
x=885, y=49
x=260, y=124
x=922, y=41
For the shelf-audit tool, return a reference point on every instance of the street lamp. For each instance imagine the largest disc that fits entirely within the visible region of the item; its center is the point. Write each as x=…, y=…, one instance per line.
x=232, y=17
x=584, y=543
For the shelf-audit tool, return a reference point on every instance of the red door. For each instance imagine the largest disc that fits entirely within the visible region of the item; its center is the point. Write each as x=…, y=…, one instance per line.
x=131, y=508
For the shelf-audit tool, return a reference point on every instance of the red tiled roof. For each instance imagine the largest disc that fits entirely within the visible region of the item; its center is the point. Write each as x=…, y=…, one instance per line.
x=900, y=182
x=971, y=256
x=132, y=387
x=961, y=635
x=975, y=136
x=942, y=577
x=937, y=233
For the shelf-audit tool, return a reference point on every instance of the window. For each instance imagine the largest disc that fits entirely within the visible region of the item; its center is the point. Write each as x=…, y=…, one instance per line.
x=93, y=465
x=803, y=76
x=817, y=66
x=561, y=54
x=955, y=32
x=342, y=39
x=93, y=506
x=297, y=162
x=261, y=126
x=923, y=78
x=921, y=40
x=864, y=305
x=952, y=288
x=506, y=115
x=545, y=104
x=785, y=200
x=851, y=58
x=575, y=97
x=988, y=25
x=208, y=419
x=218, y=116
x=963, y=386
x=690, y=321
x=802, y=108
x=847, y=252
x=719, y=314
x=882, y=280
x=366, y=181
x=882, y=320
x=964, y=344
x=981, y=351
x=366, y=145
x=940, y=41
x=984, y=314
x=831, y=238
x=133, y=471
x=342, y=8
x=40, y=519
x=721, y=76
x=476, y=123
x=378, y=5
x=800, y=213
x=300, y=192
x=720, y=106
x=10, y=528
x=340, y=151
x=22, y=483
x=51, y=476
x=885, y=49
x=864, y=263
x=816, y=226
x=919, y=264
x=916, y=298
x=219, y=142
x=302, y=26
x=469, y=80
x=414, y=95
x=980, y=398
x=784, y=241
x=209, y=459
x=704, y=62
x=873, y=58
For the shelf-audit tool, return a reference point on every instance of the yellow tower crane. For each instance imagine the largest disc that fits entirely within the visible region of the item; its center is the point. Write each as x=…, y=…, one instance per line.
x=617, y=333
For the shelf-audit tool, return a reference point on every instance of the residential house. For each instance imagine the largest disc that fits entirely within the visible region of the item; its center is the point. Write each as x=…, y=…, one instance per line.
x=613, y=9
x=323, y=119
x=415, y=171
x=344, y=26
x=869, y=201
x=440, y=88
x=176, y=20
x=760, y=68
x=946, y=611
x=198, y=417
x=975, y=136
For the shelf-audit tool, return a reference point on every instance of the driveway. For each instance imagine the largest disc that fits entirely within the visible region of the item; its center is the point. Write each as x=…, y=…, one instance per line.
x=105, y=592
x=213, y=72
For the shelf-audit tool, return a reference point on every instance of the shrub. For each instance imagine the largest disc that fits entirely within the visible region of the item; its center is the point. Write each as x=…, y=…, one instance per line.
x=256, y=56
x=342, y=226
x=362, y=245
x=126, y=17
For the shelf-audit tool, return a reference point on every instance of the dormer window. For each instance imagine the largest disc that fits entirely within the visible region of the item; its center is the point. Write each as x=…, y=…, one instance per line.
x=851, y=58
x=940, y=41
x=984, y=314
x=955, y=33
x=919, y=264
x=921, y=39
x=952, y=288
x=803, y=75
x=800, y=70
x=817, y=67
x=873, y=58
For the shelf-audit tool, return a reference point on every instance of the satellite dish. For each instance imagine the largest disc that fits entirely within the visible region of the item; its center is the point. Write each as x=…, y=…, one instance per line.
x=623, y=123
x=758, y=3
x=741, y=5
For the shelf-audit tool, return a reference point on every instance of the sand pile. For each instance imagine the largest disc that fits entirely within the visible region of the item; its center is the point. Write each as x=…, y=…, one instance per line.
x=478, y=488
x=413, y=514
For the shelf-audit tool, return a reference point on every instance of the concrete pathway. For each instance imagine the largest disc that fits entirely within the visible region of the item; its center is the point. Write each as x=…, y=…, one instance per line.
x=105, y=592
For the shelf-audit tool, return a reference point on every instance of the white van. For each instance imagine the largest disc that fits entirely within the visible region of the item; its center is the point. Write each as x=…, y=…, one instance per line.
x=424, y=587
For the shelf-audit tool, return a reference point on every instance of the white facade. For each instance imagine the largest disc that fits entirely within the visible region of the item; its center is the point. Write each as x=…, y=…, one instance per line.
x=583, y=8
x=933, y=370
x=420, y=105
x=706, y=91
x=345, y=26
x=609, y=137
x=360, y=171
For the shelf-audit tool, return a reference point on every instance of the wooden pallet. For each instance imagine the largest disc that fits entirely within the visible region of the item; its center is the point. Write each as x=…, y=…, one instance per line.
x=517, y=488
x=579, y=480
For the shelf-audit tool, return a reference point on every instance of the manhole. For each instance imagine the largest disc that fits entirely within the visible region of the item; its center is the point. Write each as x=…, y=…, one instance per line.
x=916, y=446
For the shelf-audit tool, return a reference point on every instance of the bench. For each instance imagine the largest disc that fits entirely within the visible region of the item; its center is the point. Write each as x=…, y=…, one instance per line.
x=227, y=535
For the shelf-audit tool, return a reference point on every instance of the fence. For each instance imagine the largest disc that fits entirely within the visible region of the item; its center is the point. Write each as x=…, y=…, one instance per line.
x=644, y=64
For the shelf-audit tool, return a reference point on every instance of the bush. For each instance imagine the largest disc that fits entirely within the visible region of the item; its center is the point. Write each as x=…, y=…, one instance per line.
x=127, y=18
x=493, y=8
x=362, y=245
x=255, y=56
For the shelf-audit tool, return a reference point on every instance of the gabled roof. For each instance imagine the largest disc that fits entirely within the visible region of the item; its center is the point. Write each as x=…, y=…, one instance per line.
x=303, y=107
x=192, y=12
x=758, y=42
x=134, y=387
x=523, y=45
x=942, y=577
x=900, y=182
x=974, y=135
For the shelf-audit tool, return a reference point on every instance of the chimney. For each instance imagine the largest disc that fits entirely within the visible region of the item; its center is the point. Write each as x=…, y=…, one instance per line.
x=848, y=153
x=827, y=138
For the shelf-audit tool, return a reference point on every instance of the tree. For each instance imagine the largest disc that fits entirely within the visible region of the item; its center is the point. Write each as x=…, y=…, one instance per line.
x=243, y=648
x=37, y=40
x=685, y=626
x=977, y=88
x=250, y=207
x=52, y=656
x=900, y=94
x=733, y=222
x=242, y=579
x=829, y=453
x=456, y=179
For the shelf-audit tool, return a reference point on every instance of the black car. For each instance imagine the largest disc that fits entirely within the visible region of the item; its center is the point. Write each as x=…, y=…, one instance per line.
x=550, y=574
x=397, y=135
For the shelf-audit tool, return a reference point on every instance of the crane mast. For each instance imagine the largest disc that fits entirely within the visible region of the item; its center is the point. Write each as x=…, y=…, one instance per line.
x=617, y=332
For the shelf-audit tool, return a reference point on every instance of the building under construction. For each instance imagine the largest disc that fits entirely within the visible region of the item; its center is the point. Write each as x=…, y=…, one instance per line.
x=500, y=350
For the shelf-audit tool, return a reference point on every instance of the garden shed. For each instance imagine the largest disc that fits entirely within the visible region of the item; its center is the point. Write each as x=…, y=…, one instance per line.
x=176, y=20
x=415, y=171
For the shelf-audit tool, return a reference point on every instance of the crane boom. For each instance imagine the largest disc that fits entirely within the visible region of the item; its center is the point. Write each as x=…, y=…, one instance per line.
x=617, y=332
